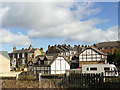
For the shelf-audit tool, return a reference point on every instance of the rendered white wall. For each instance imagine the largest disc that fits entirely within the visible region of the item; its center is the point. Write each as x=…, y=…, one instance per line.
x=4, y=64
x=59, y=66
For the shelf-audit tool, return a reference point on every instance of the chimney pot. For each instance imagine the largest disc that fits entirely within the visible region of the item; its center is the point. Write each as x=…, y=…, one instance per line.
x=41, y=49
x=68, y=45
x=14, y=48
x=30, y=47
x=48, y=46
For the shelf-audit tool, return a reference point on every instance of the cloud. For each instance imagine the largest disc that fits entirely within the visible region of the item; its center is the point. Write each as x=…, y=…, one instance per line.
x=45, y=15
x=6, y=37
x=70, y=21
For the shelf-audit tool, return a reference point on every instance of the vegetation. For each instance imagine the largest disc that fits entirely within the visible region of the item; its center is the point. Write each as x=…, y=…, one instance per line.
x=25, y=76
x=114, y=58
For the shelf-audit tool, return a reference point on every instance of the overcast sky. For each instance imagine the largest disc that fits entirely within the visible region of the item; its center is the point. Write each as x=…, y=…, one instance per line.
x=41, y=24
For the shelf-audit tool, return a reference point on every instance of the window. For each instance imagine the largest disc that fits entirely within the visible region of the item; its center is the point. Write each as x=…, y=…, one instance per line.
x=103, y=48
x=93, y=69
x=18, y=61
x=119, y=47
x=23, y=61
x=30, y=54
x=13, y=55
x=13, y=61
x=108, y=52
x=106, y=68
x=18, y=55
x=42, y=61
x=23, y=55
x=114, y=47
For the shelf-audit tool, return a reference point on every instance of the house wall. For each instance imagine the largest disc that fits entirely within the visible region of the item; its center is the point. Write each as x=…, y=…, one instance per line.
x=59, y=66
x=37, y=52
x=4, y=64
x=89, y=56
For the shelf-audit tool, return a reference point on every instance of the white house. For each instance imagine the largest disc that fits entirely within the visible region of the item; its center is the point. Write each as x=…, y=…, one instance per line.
x=59, y=65
x=91, y=55
x=48, y=65
x=4, y=62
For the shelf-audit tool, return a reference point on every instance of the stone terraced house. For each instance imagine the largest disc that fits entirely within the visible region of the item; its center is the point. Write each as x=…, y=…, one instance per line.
x=20, y=58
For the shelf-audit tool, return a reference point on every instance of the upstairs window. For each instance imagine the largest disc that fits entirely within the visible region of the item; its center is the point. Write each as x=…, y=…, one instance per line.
x=30, y=54
x=103, y=48
x=13, y=55
x=23, y=55
x=18, y=55
x=23, y=61
x=42, y=61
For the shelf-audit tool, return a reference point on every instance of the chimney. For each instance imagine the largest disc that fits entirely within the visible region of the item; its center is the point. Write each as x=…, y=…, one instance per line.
x=41, y=49
x=14, y=48
x=48, y=46
x=85, y=45
x=75, y=46
x=68, y=45
x=55, y=46
x=30, y=47
x=65, y=45
x=94, y=45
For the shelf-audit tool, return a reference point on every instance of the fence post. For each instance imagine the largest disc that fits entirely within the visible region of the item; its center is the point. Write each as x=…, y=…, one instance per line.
x=17, y=76
x=67, y=78
x=40, y=79
x=40, y=76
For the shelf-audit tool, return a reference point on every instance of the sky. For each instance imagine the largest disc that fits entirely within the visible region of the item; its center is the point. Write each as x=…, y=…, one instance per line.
x=49, y=23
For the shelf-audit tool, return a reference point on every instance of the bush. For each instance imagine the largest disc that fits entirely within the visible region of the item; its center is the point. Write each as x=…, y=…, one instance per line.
x=27, y=77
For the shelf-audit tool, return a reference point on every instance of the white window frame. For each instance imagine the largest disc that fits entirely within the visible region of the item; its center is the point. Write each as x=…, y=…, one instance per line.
x=18, y=55
x=23, y=61
x=13, y=55
x=23, y=54
x=30, y=54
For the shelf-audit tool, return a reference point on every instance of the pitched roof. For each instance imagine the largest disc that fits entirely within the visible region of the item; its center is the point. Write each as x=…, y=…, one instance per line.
x=5, y=54
x=108, y=44
x=45, y=57
x=56, y=57
x=25, y=51
x=95, y=49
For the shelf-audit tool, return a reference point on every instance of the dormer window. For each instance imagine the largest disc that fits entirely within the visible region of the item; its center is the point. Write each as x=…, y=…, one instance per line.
x=42, y=61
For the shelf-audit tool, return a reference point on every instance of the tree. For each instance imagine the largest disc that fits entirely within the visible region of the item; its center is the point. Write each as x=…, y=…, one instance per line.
x=115, y=57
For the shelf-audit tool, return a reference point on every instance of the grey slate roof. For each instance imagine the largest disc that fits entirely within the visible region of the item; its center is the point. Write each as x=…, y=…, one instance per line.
x=5, y=54
x=25, y=51
x=108, y=44
x=95, y=49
